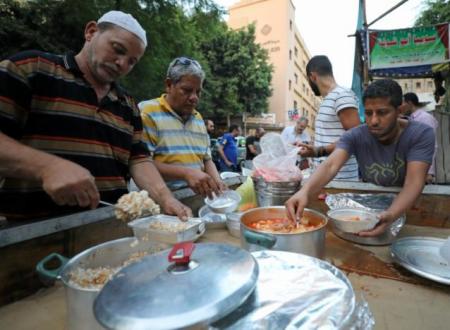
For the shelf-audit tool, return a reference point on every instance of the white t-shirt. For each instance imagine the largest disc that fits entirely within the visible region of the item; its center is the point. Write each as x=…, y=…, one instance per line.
x=329, y=128
x=289, y=136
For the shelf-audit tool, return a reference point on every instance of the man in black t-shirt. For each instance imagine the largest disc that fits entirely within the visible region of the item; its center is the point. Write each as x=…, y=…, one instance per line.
x=390, y=151
x=252, y=144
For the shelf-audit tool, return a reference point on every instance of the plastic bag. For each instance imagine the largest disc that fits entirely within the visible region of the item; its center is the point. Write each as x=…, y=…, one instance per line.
x=248, y=195
x=277, y=162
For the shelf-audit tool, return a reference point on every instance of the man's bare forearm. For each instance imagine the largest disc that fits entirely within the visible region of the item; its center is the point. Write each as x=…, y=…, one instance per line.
x=20, y=161
x=412, y=188
x=171, y=171
x=222, y=155
x=211, y=169
x=327, y=150
x=147, y=177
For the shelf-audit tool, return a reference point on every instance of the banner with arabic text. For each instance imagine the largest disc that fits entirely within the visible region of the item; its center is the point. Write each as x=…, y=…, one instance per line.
x=409, y=47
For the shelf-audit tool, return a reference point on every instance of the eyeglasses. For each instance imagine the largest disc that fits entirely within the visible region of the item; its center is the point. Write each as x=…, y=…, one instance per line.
x=186, y=61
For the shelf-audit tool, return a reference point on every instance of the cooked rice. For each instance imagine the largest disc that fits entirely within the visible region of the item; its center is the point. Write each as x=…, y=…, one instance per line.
x=171, y=227
x=134, y=205
x=92, y=278
x=96, y=278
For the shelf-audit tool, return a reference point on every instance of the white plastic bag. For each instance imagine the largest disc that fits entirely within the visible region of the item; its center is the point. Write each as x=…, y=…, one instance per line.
x=277, y=162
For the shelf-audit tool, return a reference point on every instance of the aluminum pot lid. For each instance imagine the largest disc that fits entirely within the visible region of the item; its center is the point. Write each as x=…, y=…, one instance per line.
x=199, y=289
x=421, y=256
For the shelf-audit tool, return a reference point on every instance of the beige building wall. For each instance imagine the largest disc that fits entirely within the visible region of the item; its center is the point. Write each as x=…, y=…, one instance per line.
x=423, y=87
x=276, y=32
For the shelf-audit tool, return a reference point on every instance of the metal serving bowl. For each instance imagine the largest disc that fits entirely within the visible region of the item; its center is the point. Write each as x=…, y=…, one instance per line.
x=212, y=220
x=227, y=202
x=343, y=219
x=385, y=238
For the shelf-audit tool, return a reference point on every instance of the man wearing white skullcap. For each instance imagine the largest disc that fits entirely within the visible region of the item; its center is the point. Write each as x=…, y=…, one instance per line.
x=125, y=21
x=70, y=135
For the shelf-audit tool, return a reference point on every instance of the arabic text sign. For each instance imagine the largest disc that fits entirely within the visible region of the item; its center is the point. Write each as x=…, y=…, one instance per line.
x=409, y=47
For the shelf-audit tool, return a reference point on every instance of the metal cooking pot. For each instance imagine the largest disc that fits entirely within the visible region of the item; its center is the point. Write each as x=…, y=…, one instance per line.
x=79, y=301
x=311, y=243
x=187, y=287
x=274, y=193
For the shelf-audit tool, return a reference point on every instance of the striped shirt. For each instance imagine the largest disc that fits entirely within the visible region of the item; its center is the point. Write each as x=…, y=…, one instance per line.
x=45, y=103
x=172, y=140
x=329, y=128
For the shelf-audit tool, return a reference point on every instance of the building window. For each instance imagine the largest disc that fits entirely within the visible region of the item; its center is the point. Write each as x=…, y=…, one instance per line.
x=295, y=105
x=304, y=87
x=303, y=112
x=290, y=25
x=290, y=54
x=304, y=64
x=295, y=51
x=296, y=78
x=430, y=84
x=406, y=87
x=418, y=85
x=290, y=83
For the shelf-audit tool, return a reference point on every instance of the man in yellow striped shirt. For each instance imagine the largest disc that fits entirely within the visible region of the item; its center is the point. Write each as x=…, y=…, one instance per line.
x=176, y=134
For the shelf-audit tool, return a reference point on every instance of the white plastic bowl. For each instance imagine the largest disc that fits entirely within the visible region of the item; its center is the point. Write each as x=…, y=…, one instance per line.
x=345, y=219
x=234, y=223
x=224, y=203
x=227, y=175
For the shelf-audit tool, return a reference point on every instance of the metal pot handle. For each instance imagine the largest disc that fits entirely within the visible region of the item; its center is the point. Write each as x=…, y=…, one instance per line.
x=264, y=240
x=50, y=275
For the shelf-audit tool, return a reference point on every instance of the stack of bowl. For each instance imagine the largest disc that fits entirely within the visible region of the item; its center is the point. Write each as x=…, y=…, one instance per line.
x=227, y=203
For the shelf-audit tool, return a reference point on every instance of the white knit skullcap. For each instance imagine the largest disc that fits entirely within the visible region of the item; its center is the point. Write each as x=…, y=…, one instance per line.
x=125, y=21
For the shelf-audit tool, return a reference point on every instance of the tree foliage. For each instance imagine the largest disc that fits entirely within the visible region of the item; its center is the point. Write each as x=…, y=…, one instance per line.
x=240, y=71
x=238, y=76
x=436, y=11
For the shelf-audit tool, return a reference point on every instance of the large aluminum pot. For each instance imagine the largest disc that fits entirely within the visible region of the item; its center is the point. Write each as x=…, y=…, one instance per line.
x=274, y=193
x=79, y=301
x=311, y=243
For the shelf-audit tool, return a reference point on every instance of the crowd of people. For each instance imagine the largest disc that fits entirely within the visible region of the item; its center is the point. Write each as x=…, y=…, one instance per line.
x=71, y=136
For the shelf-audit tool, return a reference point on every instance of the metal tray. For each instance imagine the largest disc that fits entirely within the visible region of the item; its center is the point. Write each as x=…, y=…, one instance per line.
x=212, y=220
x=141, y=229
x=421, y=256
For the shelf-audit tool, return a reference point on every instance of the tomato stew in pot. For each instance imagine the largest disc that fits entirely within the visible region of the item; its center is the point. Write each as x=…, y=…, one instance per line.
x=283, y=225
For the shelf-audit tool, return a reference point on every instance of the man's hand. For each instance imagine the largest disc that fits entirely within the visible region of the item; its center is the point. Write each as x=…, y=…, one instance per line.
x=306, y=150
x=295, y=206
x=173, y=206
x=386, y=219
x=228, y=163
x=69, y=184
x=202, y=183
x=222, y=186
x=430, y=179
